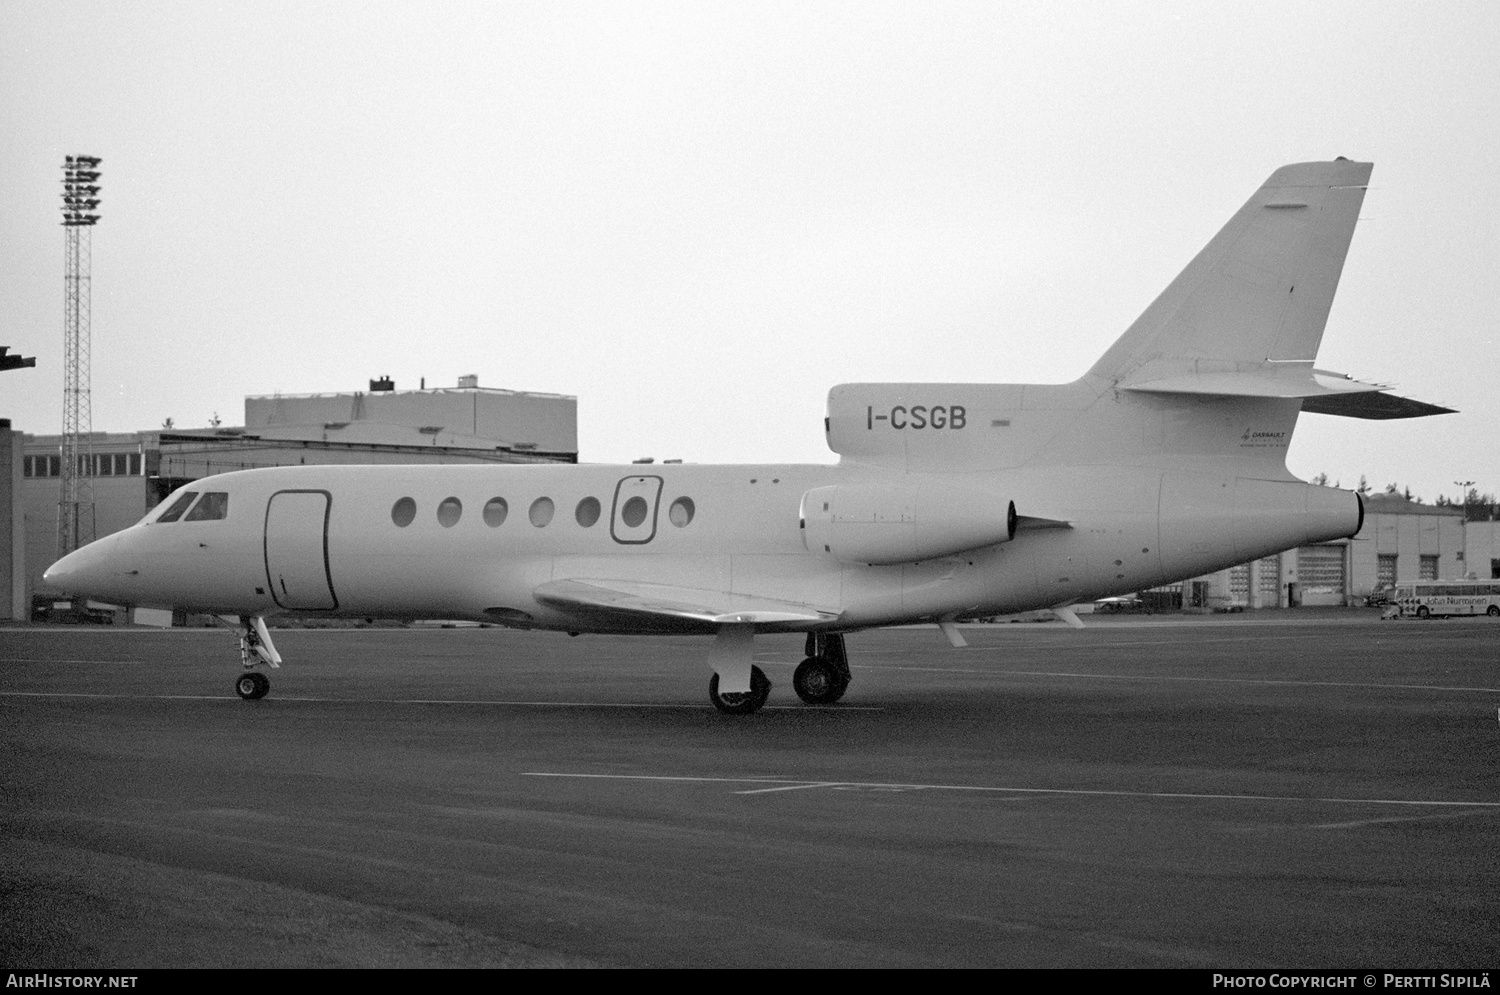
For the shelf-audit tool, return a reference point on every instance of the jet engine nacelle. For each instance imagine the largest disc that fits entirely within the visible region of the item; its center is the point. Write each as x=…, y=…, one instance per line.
x=914, y=518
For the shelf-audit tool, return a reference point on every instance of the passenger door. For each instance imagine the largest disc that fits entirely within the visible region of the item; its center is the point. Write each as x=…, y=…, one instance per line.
x=297, y=550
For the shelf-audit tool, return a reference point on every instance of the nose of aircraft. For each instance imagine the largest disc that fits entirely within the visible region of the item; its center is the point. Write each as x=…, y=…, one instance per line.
x=84, y=571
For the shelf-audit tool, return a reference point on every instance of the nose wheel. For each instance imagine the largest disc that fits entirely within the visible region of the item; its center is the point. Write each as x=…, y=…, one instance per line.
x=252, y=685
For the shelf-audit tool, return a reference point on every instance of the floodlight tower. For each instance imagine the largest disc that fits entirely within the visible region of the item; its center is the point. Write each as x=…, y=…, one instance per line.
x=75, y=499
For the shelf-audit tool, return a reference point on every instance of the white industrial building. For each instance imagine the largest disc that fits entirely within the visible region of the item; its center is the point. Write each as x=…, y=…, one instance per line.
x=133, y=471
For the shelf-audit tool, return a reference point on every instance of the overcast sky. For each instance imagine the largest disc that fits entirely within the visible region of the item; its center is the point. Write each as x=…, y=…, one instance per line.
x=698, y=217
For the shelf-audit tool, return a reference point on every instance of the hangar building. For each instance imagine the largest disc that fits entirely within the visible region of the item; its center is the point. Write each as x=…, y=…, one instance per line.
x=134, y=471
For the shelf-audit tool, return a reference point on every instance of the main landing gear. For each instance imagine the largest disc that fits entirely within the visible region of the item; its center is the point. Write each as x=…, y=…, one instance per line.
x=821, y=679
x=256, y=649
x=741, y=702
x=824, y=676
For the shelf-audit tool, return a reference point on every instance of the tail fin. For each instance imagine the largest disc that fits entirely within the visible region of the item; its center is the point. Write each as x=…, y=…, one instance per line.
x=1260, y=291
x=1220, y=365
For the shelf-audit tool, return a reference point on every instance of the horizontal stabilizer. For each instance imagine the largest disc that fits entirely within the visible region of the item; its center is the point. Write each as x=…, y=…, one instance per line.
x=1379, y=406
x=663, y=606
x=1320, y=391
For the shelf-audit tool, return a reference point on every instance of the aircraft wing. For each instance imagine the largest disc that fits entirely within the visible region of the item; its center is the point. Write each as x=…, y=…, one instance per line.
x=659, y=606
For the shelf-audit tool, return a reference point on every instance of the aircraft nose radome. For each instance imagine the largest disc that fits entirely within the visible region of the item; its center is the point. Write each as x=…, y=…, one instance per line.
x=81, y=571
x=57, y=575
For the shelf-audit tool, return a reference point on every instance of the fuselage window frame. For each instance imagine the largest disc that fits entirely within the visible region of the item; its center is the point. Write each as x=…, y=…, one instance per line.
x=684, y=509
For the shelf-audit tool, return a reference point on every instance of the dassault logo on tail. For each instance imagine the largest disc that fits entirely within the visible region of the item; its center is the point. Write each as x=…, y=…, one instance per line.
x=1263, y=438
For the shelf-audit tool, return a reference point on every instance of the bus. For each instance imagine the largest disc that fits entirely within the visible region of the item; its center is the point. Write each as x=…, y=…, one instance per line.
x=1426, y=598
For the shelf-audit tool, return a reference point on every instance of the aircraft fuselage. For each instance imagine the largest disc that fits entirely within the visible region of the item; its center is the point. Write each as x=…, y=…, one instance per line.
x=431, y=542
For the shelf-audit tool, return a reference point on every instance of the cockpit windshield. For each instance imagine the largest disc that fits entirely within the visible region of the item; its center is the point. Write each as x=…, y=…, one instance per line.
x=177, y=508
x=213, y=506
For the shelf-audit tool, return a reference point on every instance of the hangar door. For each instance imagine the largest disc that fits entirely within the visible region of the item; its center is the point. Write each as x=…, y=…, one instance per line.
x=1320, y=571
x=297, y=550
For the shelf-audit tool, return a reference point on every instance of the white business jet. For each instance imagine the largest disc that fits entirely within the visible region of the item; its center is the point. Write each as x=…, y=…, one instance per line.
x=1166, y=460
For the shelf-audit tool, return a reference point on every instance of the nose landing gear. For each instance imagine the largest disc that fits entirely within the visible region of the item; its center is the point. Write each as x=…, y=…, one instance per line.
x=256, y=649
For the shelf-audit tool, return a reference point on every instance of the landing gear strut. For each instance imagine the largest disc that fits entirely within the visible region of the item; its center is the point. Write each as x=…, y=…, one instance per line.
x=824, y=676
x=256, y=649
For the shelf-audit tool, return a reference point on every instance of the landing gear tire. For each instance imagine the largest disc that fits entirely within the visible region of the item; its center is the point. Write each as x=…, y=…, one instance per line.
x=818, y=682
x=741, y=702
x=252, y=685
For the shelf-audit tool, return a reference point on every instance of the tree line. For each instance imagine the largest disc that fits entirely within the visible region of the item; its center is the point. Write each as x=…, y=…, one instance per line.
x=1477, y=507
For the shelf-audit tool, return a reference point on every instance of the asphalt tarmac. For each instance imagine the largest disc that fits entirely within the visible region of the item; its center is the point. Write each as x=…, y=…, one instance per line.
x=1277, y=790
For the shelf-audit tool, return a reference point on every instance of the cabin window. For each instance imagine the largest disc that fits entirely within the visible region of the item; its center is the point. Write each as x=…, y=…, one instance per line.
x=634, y=512
x=681, y=512
x=541, y=512
x=178, y=507
x=449, y=512
x=211, y=507
x=403, y=512
x=587, y=512
x=495, y=510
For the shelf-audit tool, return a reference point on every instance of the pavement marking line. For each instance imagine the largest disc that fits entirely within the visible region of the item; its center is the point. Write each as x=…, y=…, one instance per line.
x=33, y=660
x=792, y=787
x=857, y=666
x=1169, y=677
x=788, y=783
x=1109, y=644
x=428, y=701
x=1399, y=818
x=121, y=697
